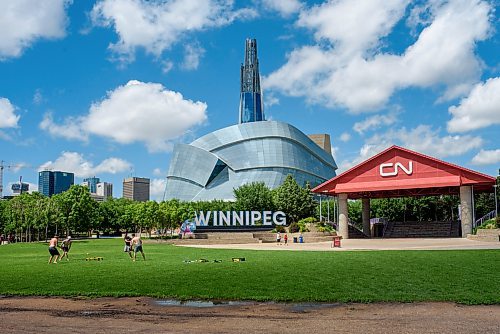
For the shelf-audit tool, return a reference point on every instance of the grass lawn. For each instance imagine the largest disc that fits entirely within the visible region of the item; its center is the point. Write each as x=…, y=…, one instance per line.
x=468, y=276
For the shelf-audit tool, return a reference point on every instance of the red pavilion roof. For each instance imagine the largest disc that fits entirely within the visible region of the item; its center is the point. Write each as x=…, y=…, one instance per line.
x=398, y=172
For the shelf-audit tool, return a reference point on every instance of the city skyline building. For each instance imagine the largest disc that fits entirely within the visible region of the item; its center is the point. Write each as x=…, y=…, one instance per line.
x=214, y=165
x=54, y=182
x=251, y=106
x=104, y=189
x=136, y=189
x=19, y=187
x=91, y=183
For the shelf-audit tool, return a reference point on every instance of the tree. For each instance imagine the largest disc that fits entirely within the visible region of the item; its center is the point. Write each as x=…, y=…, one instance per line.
x=295, y=201
x=77, y=211
x=255, y=196
x=150, y=215
x=3, y=214
x=170, y=210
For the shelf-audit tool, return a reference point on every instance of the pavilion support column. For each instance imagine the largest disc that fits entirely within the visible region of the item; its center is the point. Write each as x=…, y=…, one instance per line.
x=343, y=217
x=466, y=210
x=365, y=214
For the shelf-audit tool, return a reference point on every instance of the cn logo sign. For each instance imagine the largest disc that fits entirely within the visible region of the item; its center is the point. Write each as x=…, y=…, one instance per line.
x=392, y=169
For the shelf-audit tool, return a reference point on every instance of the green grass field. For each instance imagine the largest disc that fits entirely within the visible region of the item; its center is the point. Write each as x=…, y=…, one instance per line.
x=470, y=277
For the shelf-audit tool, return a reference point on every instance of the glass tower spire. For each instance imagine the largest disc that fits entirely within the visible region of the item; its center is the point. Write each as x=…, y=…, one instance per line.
x=251, y=108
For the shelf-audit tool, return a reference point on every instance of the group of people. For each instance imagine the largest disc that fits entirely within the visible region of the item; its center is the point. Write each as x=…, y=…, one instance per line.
x=278, y=238
x=134, y=243
x=6, y=239
x=54, y=253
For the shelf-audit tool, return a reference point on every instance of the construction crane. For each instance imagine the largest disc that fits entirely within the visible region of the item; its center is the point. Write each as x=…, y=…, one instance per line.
x=4, y=165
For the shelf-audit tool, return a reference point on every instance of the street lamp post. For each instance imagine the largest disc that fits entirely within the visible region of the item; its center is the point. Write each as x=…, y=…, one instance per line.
x=496, y=200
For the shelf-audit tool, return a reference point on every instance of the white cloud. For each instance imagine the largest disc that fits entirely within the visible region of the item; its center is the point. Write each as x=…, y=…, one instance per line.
x=74, y=162
x=284, y=7
x=22, y=22
x=156, y=25
x=486, y=157
x=345, y=137
x=192, y=55
x=144, y=112
x=8, y=117
x=478, y=110
x=340, y=22
x=158, y=172
x=346, y=67
x=157, y=188
x=5, y=136
x=18, y=166
x=422, y=139
x=167, y=66
x=71, y=128
x=374, y=122
x=135, y=112
x=38, y=97
x=335, y=151
x=270, y=100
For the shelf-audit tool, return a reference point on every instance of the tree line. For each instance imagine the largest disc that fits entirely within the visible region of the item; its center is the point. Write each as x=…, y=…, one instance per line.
x=34, y=217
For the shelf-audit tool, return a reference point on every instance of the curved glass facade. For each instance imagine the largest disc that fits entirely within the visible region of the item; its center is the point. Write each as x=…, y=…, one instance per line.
x=213, y=165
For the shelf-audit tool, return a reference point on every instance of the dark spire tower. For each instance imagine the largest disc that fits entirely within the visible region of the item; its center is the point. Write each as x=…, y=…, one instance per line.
x=251, y=108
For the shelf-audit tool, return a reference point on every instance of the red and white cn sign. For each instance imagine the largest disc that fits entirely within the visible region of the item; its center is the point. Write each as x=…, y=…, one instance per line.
x=392, y=169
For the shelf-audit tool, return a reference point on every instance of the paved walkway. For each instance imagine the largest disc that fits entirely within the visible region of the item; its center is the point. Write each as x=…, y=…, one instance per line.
x=368, y=244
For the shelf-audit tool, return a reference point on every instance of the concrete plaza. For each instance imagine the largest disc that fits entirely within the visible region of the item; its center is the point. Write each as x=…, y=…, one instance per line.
x=367, y=244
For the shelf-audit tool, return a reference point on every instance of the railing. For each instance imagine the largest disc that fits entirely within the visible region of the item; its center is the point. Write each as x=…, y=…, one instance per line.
x=488, y=216
x=386, y=226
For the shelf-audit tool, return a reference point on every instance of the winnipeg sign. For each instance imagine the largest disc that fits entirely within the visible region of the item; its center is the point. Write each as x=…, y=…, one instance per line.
x=239, y=218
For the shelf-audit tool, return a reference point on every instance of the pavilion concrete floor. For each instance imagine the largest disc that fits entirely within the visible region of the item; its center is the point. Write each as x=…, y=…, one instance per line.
x=367, y=244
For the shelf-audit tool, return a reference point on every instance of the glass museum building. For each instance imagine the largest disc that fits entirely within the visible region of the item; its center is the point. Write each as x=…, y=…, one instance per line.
x=255, y=150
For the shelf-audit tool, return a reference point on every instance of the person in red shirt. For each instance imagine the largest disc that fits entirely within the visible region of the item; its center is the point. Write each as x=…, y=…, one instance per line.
x=286, y=239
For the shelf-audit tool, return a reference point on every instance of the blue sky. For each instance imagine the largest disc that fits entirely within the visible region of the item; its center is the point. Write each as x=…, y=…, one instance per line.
x=106, y=88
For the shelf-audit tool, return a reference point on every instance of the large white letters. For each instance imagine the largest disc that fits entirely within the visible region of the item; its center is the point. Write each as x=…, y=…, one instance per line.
x=241, y=218
x=391, y=169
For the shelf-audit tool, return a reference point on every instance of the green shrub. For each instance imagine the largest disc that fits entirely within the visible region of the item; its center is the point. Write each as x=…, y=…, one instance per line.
x=489, y=225
x=279, y=228
x=325, y=228
x=308, y=220
x=497, y=221
x=294, y=228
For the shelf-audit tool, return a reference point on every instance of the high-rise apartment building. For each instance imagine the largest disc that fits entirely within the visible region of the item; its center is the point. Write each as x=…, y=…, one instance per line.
x=136, y=189
x=104, y=189
x=91, y=183
x=251, y=107
x=51, y=183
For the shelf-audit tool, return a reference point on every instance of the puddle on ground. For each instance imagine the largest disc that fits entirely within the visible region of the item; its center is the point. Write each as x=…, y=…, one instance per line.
x=307, y=307
x=200, y=303
x=299, y=307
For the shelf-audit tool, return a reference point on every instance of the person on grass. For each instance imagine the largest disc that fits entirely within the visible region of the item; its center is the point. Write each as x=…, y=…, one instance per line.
x=54, y=253
x=65, y=246
x=137, y=244
x=128, y=245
